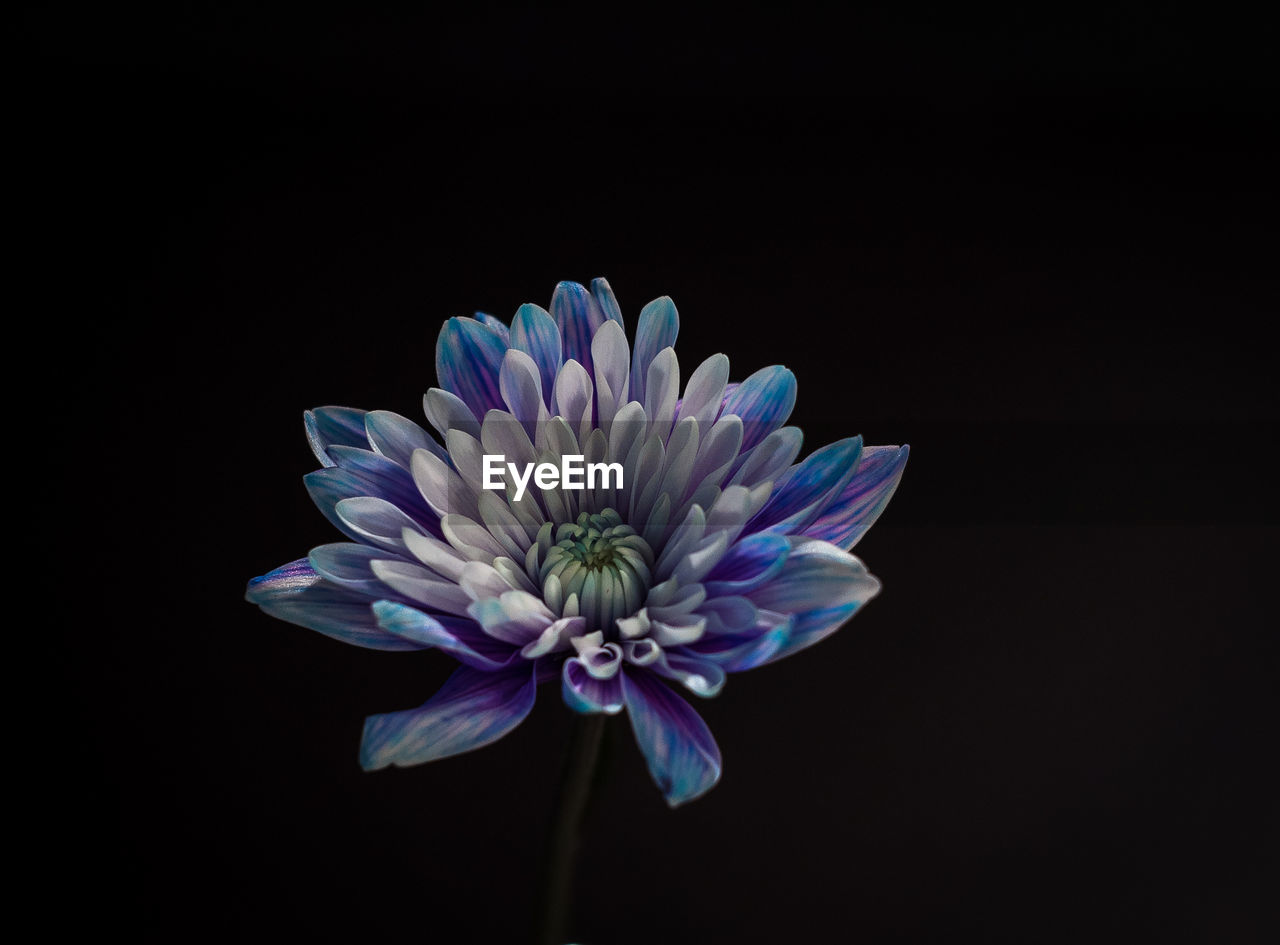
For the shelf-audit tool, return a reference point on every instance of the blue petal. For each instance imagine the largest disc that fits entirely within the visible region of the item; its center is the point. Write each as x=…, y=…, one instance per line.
x=334, y=426
x=495, y=325
x=657, y=329
x=848, y=517
x=471, y=710
x=747, y=564
x=348, y=565
x=806, y=490
x=577, y=314
x=584, y=693
x=297, y=594
x=764, y=401
x=736, y=653
x=468, y=357
x=396, y=437
x=475, y=649
x=607, y=301
x=683, y=757
x=534, y=332
x=700, y=676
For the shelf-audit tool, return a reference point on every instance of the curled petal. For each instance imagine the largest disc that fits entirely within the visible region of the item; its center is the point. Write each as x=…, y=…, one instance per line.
x=586, y=693
x=682, y=755
x=472, y=709
x=701, y=677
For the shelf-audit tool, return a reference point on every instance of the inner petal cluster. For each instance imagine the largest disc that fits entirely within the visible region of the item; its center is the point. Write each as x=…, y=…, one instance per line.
x=599, y=569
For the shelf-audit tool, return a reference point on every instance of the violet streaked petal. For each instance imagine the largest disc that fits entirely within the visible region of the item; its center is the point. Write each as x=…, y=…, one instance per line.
x=472, y=709
x=750, y=563
x=468, y=358
x=683, y=758
x=847, y=517
x=297, y=594
x=763, y=401
x=534, y=332
x=577, y=314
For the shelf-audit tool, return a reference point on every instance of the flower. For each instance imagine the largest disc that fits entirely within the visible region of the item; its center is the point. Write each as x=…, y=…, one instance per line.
x=716, y=553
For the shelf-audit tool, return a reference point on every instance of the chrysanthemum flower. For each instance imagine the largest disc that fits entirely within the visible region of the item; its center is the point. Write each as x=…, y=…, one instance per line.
x=719, y=553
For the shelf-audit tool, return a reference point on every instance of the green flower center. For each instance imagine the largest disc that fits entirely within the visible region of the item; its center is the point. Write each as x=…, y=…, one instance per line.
x=598, y=568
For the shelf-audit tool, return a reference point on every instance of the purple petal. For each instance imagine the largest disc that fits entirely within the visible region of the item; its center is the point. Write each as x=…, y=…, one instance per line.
x=748, y=564
x=334, y=426
x=702, y=677
x=763, y=401
x=473, y=648
x=806, y=490
x=683, y=757
x=385, y=479
x=844, y=521
x=583, y=692
x=468, y=357
x=472, y=709
x=735, y=653
x=577, y=314
x=811, y=627
x=297, y=594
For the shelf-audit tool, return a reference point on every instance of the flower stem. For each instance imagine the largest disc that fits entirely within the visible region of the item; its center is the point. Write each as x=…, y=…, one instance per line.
x=562, y=845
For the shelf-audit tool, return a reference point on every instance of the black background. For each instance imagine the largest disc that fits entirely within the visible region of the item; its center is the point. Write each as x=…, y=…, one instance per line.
x=1041, y=250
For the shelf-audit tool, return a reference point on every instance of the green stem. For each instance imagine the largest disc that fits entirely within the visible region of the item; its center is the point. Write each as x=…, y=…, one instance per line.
x=562, y=846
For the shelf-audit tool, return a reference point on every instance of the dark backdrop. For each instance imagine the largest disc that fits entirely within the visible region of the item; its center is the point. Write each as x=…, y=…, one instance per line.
x=1040, y=251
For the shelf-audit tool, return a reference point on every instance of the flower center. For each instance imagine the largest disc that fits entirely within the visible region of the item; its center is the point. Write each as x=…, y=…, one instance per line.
x=598, y=568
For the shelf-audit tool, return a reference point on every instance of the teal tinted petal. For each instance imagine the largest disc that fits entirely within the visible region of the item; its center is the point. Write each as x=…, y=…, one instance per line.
x=683, y=758
x=468, y=358
x=816, y=576
x=471, y=710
